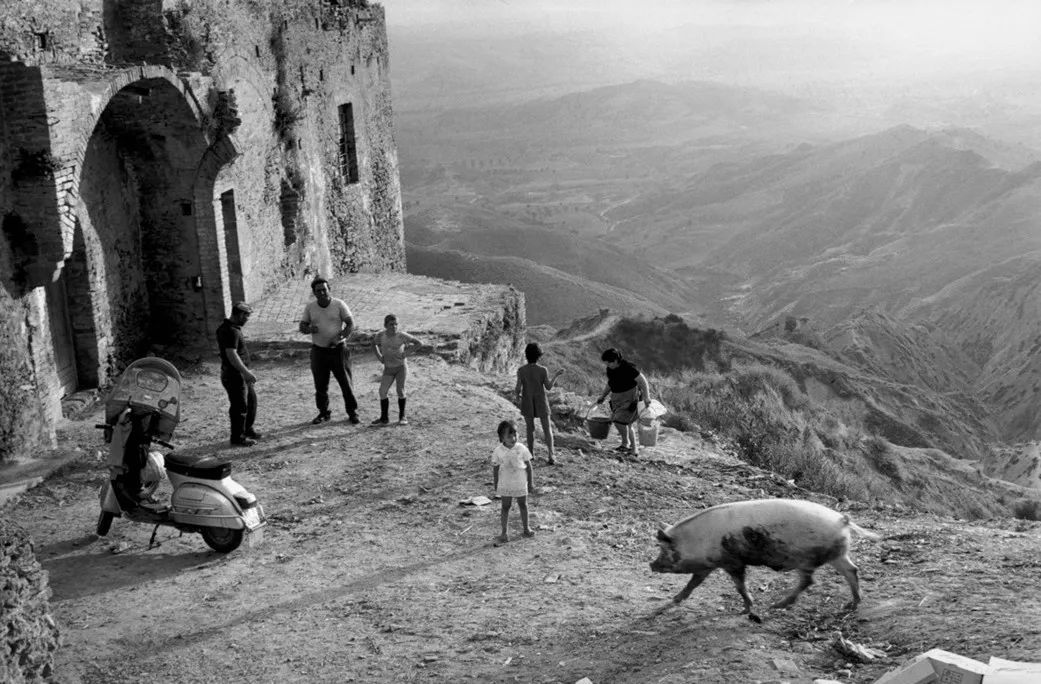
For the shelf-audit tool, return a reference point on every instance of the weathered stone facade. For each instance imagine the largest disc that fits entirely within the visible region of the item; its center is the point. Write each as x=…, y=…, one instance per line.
x=160, y=159
x=29, y=636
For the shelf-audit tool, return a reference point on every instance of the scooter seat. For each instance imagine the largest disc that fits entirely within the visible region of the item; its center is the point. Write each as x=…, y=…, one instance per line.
x=205, y=467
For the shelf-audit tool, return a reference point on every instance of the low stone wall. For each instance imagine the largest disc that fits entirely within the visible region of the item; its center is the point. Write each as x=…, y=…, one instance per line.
x=479, y=325
x=28, y=634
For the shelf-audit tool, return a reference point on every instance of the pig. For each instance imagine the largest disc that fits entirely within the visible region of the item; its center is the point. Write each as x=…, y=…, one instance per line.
x=782, y=534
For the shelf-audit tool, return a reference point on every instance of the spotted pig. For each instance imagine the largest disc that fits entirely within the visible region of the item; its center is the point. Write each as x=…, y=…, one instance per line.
x=782, y=534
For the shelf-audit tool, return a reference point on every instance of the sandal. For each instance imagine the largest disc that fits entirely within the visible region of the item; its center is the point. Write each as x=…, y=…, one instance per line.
x=529, y=533
x=622, y=447
x=500, y=540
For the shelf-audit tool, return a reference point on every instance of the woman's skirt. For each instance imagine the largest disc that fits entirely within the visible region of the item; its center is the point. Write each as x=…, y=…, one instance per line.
x=624, y=406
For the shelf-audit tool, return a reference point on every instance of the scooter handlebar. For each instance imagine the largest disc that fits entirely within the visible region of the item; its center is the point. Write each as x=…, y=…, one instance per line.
x=162, y=443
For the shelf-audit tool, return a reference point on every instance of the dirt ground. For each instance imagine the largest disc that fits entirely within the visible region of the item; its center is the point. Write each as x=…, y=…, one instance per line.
x=371, y=571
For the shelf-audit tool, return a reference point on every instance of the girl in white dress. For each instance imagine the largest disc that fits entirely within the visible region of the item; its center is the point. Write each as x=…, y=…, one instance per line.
x=511, y=473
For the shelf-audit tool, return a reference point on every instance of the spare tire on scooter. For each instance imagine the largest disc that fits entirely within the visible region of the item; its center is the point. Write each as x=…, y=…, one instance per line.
x=222, y=539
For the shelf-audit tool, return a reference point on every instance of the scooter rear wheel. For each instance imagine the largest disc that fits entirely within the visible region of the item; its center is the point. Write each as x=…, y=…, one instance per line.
x=222, y=539
x=104, y=523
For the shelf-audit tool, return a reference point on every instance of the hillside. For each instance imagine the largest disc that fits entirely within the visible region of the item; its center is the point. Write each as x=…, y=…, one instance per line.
x=1019, y=463
x=371, y=570
x=551, y=296
x=639, y=112
x=829, y=407
x=992, y=315
x=935, y=230
x=920, y=226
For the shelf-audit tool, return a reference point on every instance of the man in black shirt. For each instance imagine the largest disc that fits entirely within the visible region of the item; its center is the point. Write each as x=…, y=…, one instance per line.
x=236, y=376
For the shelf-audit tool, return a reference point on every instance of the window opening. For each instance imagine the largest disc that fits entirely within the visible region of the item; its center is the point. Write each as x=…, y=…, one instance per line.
x=348, y=144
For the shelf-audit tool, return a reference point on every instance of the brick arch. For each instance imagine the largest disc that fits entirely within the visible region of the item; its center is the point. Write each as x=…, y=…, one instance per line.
x=213, y=253
x=107, y=89
x=130, y=189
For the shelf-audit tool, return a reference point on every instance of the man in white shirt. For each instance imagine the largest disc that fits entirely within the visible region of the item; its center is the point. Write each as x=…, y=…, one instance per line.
x=329, y=323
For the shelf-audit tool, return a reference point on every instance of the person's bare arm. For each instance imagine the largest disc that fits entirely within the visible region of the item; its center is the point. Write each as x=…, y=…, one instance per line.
x=376, y=347
x=348, y=327
x=645, y=388
x=236, y=362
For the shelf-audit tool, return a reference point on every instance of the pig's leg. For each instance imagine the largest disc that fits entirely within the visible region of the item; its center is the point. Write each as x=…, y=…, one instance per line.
x=805, y=580
x=848, y=570
x=738, y=576
x=695, y=579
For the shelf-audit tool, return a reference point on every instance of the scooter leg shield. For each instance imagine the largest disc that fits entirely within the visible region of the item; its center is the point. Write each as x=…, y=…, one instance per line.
x=108, y=500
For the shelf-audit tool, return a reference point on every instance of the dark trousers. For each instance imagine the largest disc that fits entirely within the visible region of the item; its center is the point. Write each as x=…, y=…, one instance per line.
x=335, y=360
x=242, y=399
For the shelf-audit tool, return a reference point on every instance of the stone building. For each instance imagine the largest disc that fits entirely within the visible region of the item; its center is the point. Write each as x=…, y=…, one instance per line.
x=160, y=159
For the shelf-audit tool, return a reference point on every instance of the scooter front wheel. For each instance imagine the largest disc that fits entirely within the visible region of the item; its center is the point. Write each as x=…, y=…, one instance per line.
x=104, y=523
x=222, y=539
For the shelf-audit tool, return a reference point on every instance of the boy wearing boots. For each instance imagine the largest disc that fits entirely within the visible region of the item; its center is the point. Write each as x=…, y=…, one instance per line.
x=392, y=347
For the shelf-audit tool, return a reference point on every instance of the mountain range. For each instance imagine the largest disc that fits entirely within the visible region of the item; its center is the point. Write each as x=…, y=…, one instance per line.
x=910, y=254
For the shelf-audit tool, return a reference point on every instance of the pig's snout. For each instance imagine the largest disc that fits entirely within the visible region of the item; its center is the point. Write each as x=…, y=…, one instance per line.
x=665, y=562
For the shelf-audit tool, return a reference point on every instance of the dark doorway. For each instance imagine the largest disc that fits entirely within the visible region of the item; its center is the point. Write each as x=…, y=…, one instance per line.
x=81, y=305
x=231, y=244
x=61, y=334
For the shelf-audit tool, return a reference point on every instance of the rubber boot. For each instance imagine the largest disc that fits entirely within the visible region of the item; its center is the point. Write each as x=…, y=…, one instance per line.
x=384, y=409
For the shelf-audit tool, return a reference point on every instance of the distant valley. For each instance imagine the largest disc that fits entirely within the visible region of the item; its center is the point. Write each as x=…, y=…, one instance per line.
x=913, y=254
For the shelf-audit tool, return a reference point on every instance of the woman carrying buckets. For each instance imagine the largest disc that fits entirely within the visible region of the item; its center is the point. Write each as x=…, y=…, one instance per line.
x=627, y=386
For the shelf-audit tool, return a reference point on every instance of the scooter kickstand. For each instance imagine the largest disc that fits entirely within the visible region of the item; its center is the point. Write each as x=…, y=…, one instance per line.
x=152, y=542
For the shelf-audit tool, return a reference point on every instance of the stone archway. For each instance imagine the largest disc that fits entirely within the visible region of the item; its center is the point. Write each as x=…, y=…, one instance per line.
x=217, y=276
x=137, y=211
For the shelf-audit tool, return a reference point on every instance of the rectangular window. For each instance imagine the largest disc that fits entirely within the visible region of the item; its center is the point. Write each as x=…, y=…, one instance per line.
x=348, y=144
x=231, y=245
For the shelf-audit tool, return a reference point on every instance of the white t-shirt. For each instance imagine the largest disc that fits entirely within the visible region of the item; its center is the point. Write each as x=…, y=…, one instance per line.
x=329, y=319
x=513, y=466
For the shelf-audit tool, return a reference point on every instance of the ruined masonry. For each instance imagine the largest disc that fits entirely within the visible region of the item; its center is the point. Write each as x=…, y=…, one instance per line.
x=162, y=159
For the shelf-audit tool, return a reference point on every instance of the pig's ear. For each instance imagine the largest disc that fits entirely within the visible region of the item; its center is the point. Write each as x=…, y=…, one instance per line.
x=662, y=536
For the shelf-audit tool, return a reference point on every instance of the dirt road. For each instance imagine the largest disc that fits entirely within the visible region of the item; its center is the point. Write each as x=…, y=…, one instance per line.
x=371, y=571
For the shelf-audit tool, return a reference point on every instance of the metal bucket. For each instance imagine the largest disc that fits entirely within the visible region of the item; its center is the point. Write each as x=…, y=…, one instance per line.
x=599, y=428
x=648, y=433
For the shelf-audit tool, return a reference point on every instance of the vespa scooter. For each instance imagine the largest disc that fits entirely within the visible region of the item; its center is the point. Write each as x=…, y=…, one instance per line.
x=141, y=412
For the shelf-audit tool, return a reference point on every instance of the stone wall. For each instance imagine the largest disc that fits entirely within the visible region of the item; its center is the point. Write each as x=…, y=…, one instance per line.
x=163, y=158
x=22, y=420
x=28, y=633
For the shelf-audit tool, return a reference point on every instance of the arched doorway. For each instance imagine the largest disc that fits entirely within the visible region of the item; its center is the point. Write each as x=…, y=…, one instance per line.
x=70, y=312
x=137, y=216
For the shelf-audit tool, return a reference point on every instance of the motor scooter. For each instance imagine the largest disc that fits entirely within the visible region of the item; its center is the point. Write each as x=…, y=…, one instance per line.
x=141, y=413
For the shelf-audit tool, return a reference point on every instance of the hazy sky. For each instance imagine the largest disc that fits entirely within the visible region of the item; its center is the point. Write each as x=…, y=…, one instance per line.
x=984, y=32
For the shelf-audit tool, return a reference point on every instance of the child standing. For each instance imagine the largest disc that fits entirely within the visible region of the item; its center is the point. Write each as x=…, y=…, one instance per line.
x=511, y=473
x=391, y=347
x=532, y=382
